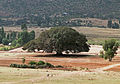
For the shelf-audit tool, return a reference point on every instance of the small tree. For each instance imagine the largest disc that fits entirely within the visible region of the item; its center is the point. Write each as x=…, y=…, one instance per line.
x=115, y=26
x=110, y=47
x=109, y=24
x=23, y=60
x=5, y=41
x=24, y=27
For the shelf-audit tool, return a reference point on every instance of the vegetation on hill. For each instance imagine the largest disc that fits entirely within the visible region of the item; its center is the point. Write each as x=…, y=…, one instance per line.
x=82, y=8
x=59, y=39
x=56, y=12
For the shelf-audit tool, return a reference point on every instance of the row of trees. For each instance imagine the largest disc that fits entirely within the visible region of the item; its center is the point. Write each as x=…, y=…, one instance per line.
x=6, y=38
x=23, y=38
x=113, y=25
x=16, y=38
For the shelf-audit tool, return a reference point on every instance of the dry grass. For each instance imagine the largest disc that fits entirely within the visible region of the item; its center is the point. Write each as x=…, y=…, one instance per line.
x=40, y=76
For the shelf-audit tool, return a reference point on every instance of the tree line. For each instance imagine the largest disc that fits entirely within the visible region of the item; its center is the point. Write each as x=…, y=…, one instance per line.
x=16, y=38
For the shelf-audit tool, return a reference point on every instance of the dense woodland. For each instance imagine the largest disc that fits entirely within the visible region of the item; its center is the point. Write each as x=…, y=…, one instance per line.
x=56, y=12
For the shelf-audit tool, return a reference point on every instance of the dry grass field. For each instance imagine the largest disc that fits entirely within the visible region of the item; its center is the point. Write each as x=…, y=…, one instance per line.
x=94, y=35
x=42, y=76
x=89, y=60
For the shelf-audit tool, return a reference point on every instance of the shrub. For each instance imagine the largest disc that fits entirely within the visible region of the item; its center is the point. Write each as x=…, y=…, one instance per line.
x=42, y=66
x=32, y=66
x=101, y=54
x=18, y=66
x=13, y=65
x=41, y=63
x=58, y=66
x=32, y=63
x=110, y=47
x=49, y=65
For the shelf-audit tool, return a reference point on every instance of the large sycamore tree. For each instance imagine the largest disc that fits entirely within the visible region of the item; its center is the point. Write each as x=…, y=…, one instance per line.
x=59, y=39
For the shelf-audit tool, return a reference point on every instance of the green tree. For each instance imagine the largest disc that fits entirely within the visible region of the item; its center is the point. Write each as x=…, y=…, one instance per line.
x=5, y=41
x=23, y=27
x=62, y=39
x=109, y=24
x=31, y=45
x=110, y=47
x=23, y=60
x=32, y=35
x=115, y=26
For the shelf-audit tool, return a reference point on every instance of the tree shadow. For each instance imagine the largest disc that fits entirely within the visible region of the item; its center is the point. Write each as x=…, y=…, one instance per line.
x=65, y=55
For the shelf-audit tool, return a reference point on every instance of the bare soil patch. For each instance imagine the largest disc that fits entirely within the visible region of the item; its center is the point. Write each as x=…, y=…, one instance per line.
x=115, y=69
x=89, y=60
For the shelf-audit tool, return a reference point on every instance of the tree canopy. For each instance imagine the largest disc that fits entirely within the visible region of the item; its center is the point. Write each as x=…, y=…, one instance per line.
x=59, y=39
x=110, y=47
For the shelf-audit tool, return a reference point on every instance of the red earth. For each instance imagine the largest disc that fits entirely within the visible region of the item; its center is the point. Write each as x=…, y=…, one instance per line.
x=92, y=61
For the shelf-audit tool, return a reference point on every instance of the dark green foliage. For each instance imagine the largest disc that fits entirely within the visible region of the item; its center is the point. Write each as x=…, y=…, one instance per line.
x=32, y=35
x=110, y=47
x=23, y=38
x=23, y=60
x=32, y=63
x=19, y=66
x=48, y=65
x=78, y=8
x=2, y=35
x=109, y=24
x=41, y=63
x=23, y=27
x=5, y=41
x=35, y=65
x=115, y=26
x=59, y=66
x=101, y=54
x=30, y=46
x=47, y=12
x=60, y=39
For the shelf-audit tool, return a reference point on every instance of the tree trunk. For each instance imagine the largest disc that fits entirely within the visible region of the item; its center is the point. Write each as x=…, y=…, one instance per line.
x=59, y=53
x=110, y=59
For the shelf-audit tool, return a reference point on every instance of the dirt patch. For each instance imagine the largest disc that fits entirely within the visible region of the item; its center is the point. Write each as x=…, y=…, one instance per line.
x=89, y=60
x=116, y=69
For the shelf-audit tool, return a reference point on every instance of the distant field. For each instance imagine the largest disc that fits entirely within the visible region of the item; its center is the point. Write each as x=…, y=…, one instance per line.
x=98, y=35
x=94, y=35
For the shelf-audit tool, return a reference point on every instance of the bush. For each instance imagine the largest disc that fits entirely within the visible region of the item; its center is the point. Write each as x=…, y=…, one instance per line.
x=42, y=66
x=35, y=65
x=110, y=47
x=32, y=63
x=48, y=65
x=58, y=66
x=13, y=65
x=101, y=54
x=19, y=66
x=41, y=63
x=32, y=66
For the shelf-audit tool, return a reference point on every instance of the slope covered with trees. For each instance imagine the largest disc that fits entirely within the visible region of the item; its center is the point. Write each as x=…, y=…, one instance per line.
x=56, y=12
x=82, y=8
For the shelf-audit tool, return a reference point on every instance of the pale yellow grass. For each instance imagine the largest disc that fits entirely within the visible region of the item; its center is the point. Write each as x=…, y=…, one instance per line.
x=40, y=76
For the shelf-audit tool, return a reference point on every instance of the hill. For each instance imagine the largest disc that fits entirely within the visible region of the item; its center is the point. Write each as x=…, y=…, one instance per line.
x=83, y=8
x=38, y=11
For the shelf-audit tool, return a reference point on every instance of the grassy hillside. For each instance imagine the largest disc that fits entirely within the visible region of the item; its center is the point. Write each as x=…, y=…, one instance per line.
x=74, y=8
